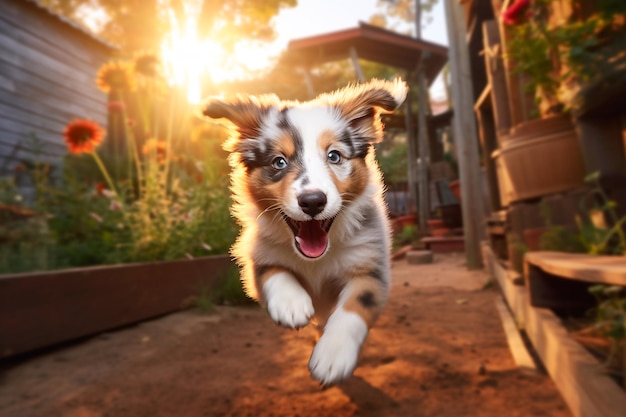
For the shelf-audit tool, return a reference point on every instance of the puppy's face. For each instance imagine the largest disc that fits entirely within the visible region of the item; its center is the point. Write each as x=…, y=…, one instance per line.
x=307, y=160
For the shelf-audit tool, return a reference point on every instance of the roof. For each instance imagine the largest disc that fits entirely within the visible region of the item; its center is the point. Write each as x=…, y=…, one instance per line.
x=72, y=23
x=371, y=43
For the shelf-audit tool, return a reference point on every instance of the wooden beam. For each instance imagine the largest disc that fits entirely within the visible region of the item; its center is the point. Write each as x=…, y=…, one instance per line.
x=582, y=381
x=465, y=135
x=489, y=143
x=496, y=74
x=582, y=267
x=520, y=354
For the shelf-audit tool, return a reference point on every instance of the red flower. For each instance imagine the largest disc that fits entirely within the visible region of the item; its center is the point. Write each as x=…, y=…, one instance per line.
x=512, y=15
x=100, y=187
x=83, y=135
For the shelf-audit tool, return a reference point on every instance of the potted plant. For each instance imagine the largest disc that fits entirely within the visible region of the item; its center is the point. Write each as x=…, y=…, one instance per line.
x=560, y=47
x=552, y=50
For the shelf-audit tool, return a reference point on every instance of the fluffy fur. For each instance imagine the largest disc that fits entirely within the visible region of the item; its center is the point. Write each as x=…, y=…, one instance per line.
x=307, y=192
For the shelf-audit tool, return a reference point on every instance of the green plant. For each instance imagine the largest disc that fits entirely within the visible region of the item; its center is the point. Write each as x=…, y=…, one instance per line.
x=558, y=56
x=610, y=316
x=230, y=291
x=408, y=235
x=592, y=234
x=155, y=188
x=204, y=301
x=24, y=234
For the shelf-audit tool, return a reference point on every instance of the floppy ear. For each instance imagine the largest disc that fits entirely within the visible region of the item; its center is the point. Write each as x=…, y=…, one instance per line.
x=245, y=112
x=365, y=102
x=361, y=105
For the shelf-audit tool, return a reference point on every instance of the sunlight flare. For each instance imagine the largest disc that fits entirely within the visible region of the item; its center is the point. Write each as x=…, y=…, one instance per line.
x=188, y=59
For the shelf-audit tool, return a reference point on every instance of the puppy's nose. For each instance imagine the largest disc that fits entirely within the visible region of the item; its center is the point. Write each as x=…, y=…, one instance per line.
x=312, y=203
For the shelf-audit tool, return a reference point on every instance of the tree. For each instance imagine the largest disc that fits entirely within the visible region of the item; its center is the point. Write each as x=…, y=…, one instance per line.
x=403, y=10
x=137, y=25
x=286, y=80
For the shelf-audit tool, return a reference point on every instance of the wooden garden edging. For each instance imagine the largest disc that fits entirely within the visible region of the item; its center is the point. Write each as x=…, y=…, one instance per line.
x=580, y=378
x=45, y=308
x=561, y=280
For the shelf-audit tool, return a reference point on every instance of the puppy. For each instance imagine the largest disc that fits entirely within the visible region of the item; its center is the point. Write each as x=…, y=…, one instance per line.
x=307, y=192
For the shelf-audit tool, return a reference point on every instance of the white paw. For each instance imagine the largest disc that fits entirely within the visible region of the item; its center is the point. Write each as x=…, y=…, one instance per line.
x=287, y=302
x=336, y=353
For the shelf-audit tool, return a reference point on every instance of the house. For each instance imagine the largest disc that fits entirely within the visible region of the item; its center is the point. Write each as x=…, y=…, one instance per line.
x=48, y=67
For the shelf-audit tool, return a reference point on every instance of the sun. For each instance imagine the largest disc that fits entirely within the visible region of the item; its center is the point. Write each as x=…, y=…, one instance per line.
x=188, y=59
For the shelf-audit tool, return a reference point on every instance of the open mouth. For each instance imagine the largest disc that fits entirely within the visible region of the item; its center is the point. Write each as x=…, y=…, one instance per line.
x=311, y=236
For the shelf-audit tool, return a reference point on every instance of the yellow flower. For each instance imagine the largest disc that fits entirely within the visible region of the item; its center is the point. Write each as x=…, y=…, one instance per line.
x=156, y=148
x=115, y=75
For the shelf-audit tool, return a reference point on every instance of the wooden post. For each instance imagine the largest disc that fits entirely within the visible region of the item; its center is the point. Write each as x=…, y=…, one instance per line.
x=423, y=147
x=308, y=82
x=412, y=153
x=354, y=57
x=466, y=141
x=496, y=75
x=422, y=129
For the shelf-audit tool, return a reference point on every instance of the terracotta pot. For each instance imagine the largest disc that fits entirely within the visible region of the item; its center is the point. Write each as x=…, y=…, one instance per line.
x=532, y=238
x=435, y=223
x=438, y=228
x=440, y=232
x=408, y=220
x=455, y=186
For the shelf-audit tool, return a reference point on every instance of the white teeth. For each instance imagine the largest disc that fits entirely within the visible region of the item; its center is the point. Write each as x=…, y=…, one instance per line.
x=299, y=240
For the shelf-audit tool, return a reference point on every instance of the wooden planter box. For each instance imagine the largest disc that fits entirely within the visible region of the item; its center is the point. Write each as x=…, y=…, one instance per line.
x=45, y=308
x=580, y=378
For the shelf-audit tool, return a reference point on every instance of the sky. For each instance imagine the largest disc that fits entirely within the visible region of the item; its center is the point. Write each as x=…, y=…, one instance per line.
x=314, y=17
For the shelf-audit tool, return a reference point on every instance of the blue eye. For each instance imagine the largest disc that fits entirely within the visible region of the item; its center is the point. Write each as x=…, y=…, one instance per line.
x=279, y=163
x=334, y=157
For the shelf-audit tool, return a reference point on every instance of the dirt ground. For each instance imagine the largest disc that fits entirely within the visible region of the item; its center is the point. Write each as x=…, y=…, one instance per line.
x=438, y=350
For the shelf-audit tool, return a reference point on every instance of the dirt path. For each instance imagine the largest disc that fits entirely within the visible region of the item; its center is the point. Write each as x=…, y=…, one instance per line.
x=438, y=350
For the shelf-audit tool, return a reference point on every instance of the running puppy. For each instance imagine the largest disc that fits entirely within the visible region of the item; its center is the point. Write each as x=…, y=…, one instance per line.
x=307, y=192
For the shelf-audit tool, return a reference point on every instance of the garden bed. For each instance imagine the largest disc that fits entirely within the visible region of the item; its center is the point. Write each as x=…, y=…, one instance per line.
x=45, y=308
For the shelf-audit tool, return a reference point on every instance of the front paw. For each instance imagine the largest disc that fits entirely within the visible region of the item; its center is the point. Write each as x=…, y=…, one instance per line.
x=288, y=304
x=335, y=356
x=333, y=359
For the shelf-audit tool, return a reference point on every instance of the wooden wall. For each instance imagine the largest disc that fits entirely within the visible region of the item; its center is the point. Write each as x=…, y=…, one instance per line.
x=48, y=68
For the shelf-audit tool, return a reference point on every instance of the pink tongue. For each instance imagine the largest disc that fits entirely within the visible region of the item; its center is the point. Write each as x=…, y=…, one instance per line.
x=312, y=239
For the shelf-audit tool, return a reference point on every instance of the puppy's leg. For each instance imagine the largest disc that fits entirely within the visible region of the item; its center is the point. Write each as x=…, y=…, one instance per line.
x=287, y=302
x=336, y=353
